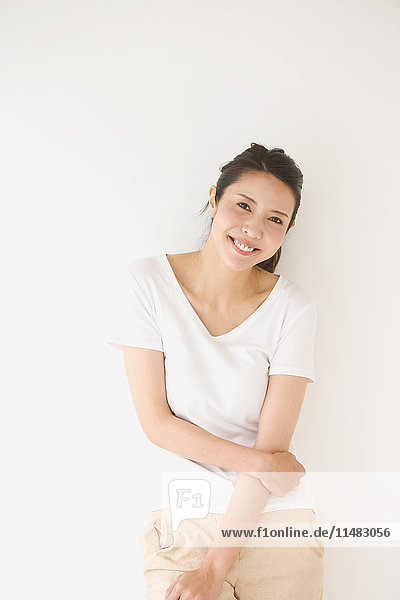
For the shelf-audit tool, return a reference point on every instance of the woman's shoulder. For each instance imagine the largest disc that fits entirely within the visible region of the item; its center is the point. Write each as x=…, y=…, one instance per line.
x=145, y=265
x=297, y=296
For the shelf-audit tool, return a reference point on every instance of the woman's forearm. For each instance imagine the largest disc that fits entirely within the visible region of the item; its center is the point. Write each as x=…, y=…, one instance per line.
x=191, y=441
x=247, y=503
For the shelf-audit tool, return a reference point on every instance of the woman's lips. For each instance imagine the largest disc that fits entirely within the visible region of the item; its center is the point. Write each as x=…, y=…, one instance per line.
x=243, y=252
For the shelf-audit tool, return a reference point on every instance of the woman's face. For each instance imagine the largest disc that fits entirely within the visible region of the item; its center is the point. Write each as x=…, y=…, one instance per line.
x=258, y=224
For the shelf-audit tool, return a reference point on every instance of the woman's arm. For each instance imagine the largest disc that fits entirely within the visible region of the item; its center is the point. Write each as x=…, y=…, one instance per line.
x=191, y=441
x=146, y=378
x=279, y=416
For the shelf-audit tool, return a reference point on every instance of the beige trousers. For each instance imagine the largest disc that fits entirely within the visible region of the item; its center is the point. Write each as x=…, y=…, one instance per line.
x=260, y=572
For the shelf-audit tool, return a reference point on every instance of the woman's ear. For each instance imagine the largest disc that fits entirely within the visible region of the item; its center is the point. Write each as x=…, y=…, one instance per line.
x=211, y=201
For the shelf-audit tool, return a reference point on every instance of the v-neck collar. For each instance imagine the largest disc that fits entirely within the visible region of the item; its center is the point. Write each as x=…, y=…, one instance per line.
x=236, y=329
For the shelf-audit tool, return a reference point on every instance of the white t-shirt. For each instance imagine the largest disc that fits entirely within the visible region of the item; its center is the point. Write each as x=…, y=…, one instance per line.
x=216, y=382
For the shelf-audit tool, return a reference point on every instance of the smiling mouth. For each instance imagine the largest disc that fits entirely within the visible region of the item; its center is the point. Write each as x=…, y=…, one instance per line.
x=240, y=251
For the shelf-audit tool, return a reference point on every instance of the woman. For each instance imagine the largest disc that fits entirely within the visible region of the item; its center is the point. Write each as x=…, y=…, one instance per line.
x=218, y=351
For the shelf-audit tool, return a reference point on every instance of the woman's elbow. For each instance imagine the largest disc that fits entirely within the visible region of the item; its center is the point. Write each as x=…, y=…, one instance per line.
x=156, y=431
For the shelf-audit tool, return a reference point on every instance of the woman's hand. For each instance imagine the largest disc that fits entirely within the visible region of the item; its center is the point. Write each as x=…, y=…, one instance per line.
x=280, y=472
x=200, y=584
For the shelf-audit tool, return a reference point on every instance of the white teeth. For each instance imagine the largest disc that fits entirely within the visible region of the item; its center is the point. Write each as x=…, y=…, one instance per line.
x=242, y=246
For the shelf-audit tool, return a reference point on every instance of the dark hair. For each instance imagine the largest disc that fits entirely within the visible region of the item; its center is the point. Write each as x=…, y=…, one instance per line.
x=258, y=159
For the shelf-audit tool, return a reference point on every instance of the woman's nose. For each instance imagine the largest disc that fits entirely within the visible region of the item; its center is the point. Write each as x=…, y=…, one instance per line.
x=251, y=232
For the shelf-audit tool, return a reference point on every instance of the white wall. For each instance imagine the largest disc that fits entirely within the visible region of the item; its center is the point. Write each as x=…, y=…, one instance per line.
x=115, y=119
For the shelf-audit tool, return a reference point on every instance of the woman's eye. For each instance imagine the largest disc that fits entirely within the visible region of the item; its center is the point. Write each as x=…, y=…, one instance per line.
x=279, y=222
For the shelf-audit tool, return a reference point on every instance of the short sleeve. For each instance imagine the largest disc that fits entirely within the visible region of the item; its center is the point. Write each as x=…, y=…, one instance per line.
x=131, y=320
x=294, y=354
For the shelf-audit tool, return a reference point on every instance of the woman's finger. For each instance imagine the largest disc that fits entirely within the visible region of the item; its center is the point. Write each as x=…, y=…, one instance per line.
x=171, y=587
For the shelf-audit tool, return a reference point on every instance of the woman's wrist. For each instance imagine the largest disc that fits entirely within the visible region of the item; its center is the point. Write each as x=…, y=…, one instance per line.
x=218, y=560
x=254, y=459
x=262, y=461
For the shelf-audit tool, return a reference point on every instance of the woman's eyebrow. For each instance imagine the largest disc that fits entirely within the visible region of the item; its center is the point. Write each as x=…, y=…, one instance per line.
x=279, y=212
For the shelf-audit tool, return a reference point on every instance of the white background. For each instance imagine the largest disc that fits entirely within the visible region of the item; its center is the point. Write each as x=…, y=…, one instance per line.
x=115, y=118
